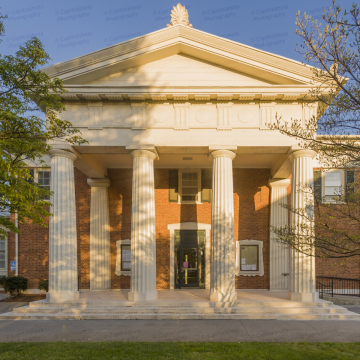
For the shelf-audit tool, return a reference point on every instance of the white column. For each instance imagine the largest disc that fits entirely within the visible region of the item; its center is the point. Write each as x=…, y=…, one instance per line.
x=302, y=267
x=222, y=286
x=63, y=272
x=100, y=277
x=279, y=254
x=143, y=237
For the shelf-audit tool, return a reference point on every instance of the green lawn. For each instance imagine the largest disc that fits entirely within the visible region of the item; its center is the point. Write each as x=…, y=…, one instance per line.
x=179, y=350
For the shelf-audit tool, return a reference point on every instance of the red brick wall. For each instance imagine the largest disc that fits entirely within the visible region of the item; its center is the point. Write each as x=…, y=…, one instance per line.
x=346, y=267
x=120, y=218
x=251, y=206
x=33, y=262
x=251, y=210
x=83, y=197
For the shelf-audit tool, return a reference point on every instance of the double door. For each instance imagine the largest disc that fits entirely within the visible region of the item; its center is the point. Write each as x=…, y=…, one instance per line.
x=189, y=259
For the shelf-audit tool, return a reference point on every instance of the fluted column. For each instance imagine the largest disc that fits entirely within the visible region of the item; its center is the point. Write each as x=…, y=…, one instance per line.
x=100, y=277
x=143, y=237
x=302, y=267
x=63, y=274
x=222, y=286
x=279, y=254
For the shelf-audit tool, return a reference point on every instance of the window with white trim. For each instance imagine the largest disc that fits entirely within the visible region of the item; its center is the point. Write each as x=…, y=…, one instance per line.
x=2, y=254
x=249, y=258
x=190, y=186
x=123, y=257
x=3, y=257
x=331, y=185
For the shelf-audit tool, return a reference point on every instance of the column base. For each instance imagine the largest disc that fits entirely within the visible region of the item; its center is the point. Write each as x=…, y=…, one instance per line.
x=223, y=297
x=303, y=297
x=150, y=295
x=62, y=296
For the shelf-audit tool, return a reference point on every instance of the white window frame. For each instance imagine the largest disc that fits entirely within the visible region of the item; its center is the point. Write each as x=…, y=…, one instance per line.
x=343, y=184
x=36, y=173
x=36, y=176
x=260, y=271
x=4, y=271
x=181, y=171
x=118, y=270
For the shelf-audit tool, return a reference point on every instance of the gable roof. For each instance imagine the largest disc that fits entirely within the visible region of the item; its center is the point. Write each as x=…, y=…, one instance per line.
x=79, y=74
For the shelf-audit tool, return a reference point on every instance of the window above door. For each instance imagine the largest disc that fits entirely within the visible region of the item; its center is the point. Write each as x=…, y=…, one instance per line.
x=190, y=186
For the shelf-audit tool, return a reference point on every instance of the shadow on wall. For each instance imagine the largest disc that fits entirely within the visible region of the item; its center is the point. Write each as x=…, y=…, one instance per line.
x=252, y=213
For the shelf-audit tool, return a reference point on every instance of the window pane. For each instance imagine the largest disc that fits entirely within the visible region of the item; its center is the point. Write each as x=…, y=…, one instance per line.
x=2, y=259
x=317, y=184
x=189, y=186
x=332, y=190
x=249, y=258
x=125, y=257
x=2, y=245
x=333, y=178
x=44, y=178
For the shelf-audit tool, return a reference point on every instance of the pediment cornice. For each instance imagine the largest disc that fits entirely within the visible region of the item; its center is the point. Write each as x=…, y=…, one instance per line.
x=181, y=39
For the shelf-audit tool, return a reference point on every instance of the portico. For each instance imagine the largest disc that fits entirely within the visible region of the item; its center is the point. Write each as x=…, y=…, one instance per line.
x=178, y=129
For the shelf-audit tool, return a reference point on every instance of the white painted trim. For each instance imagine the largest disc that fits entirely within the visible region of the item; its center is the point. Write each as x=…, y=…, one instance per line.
x=118, y=270
x=190, y=226
x=4, y=271
x=323, y=184
x=260, y=272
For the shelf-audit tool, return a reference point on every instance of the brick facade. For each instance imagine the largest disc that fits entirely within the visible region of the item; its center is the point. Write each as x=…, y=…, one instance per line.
x=251, y=209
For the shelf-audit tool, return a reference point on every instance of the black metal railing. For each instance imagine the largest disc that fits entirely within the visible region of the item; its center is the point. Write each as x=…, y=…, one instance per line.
x=337, y=286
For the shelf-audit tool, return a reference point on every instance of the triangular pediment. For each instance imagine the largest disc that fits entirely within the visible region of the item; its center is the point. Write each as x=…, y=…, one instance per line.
x=181, y=56
x=179, y=71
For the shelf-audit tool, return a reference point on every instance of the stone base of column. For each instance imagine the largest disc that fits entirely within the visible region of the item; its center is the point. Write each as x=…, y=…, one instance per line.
x=216, y=296
x=303, y=297
x=62, y=296
x=135, y=296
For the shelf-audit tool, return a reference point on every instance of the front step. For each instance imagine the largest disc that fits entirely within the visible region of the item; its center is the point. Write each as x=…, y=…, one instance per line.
x=179, y=311
x=191, y=310
x=189, y=304
x=56, y=316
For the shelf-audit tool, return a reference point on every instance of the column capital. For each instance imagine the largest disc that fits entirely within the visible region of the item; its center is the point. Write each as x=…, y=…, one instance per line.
x=64, y=153
x=279, y=182
x=302, y=153
x=143, y=153
x=222, y=153
x=98, y=182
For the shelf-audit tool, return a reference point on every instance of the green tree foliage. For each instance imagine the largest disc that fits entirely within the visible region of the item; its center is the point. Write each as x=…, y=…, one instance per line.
x=29, y=118
x=331, y=47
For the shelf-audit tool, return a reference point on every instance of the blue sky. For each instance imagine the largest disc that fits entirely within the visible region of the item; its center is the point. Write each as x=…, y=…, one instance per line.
x=73, y=28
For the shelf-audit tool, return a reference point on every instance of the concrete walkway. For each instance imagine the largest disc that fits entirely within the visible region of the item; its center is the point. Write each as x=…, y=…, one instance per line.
x=180, y=330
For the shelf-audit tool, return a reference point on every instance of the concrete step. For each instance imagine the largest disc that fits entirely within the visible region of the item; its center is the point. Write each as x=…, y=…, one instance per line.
x=190, y=304
x=184, y=310
x=165, y=316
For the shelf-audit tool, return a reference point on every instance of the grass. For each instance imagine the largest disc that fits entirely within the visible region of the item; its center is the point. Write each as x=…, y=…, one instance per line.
x=178, y=350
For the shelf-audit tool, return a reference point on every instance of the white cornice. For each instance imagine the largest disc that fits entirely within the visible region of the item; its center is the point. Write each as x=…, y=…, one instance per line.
x=180, y=39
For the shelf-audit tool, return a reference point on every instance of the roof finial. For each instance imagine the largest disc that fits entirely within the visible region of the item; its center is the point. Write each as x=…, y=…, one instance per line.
x=179, y=15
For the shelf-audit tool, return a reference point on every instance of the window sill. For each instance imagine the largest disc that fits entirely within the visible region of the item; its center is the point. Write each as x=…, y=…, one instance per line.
x=123, y=273
x=245, y=273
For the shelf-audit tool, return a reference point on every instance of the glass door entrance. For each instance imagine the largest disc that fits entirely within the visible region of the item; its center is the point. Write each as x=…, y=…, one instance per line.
x=189, y=259
x=189, y=272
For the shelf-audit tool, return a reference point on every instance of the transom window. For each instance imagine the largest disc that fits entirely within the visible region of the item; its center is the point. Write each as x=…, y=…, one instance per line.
x=190, y=186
